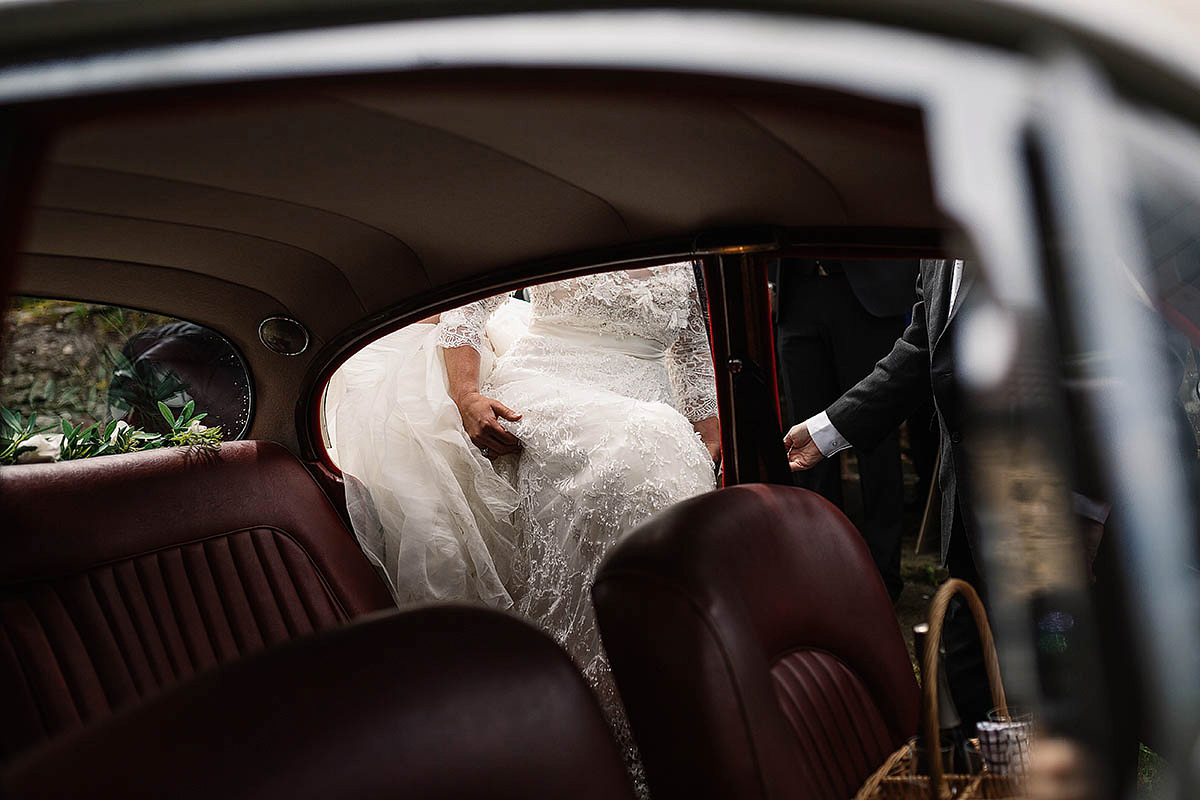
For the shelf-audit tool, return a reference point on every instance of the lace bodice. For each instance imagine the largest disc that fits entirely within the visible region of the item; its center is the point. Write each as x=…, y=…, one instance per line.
x=659, y=304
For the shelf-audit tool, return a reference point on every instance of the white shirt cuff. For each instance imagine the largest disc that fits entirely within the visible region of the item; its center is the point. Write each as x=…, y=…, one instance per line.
x=825, y=436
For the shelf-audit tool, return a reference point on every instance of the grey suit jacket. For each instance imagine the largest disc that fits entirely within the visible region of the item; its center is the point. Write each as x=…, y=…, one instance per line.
x=921, y=361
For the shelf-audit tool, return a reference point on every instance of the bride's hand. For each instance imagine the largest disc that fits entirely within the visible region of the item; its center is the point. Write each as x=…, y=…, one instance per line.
x=710, y=434
x=481, y=419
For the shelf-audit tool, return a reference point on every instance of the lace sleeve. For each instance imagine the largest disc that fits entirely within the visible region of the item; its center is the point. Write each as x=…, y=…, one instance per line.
x=464, y=325
x=690, y=364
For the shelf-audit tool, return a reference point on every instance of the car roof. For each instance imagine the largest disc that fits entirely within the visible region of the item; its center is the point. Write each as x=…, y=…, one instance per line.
x=1160, y=30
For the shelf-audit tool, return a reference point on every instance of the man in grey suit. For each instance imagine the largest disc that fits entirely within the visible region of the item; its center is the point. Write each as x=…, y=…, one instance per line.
x=836, y=318
x=921, y=361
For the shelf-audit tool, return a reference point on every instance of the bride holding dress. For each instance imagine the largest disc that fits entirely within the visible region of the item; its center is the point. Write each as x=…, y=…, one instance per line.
x=498, y=455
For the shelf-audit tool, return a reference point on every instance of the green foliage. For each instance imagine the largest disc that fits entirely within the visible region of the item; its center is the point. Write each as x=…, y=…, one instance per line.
x=103, y=439
x=141, y=386
x=114, y=318
x=15, y=433
x=106, y=438
x=80, y=442
x=186, y=430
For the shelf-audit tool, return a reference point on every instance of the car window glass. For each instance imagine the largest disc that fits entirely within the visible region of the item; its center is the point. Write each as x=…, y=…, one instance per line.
x=1168, y=216
x=85, y=363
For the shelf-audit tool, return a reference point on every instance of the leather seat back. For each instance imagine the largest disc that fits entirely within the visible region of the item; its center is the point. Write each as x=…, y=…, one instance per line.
x=437, y=703
x=122, y=575
x=755, y=648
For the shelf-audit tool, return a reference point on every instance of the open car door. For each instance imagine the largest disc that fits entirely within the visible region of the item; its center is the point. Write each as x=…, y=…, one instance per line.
x=1082, y=452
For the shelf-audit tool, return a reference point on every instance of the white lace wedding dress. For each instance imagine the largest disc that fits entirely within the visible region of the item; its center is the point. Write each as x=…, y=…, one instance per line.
x=612, y=372
x=608, y=376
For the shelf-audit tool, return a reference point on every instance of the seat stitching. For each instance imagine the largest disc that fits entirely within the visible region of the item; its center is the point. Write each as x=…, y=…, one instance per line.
x=233, y=559
x=816, y=741
x=254, y=547
x=864, y=697
x=793, y=709
x=813, y=666
x=287, y=570
x=111, y=620
x=233, y=631
x=834, y=657
x=305, y=600
x=201, y=539
x=158, y=625
x=173, y=605
x=110, y=617
x=793, y=706
x=137, y=629
x=26, y=674
x=187, y=579
x=108, y=700
x=810, y=740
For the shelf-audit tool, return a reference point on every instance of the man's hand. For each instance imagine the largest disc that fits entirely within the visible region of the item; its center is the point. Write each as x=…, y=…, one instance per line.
x=481, y=420
x=802, y=452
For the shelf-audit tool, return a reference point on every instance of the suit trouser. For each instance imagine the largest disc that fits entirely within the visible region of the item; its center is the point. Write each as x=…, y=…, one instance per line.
x=965, y=670
x=827, y=343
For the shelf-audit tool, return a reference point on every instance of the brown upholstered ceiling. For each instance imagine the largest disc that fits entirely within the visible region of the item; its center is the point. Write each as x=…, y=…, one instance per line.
x=339, y=203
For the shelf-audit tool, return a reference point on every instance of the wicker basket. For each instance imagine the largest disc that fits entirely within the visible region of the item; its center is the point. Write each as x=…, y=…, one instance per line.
x=895, y=780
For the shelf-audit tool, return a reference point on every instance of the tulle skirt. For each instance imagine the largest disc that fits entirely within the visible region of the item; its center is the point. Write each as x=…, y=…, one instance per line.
x=427, y=508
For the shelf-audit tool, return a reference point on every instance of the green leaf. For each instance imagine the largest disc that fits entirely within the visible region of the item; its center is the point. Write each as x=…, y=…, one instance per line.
x=166, y=412
x=187, y=410
x=11, y=420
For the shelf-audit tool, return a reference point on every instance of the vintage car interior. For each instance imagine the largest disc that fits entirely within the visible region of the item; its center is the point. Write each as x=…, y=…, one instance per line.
x=199, y=624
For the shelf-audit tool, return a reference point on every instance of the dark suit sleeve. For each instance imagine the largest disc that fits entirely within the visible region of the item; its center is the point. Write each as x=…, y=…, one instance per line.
x=876, y=405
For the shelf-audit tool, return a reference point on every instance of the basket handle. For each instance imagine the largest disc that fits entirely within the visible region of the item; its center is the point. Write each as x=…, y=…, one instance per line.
x=929, y=669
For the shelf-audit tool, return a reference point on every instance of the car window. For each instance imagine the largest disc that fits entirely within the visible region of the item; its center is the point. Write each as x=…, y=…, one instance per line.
x=1168, y=215
x=87, y=364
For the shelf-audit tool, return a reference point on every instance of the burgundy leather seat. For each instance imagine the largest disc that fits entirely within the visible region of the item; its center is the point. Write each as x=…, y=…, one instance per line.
x=122, y=575
x=438, y=704
x=755, y=648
